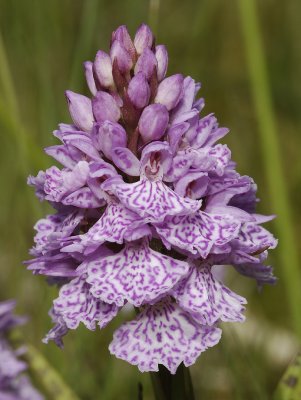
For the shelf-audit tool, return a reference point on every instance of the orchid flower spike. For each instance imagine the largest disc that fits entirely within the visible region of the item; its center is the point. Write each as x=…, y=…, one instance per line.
x=146, y=203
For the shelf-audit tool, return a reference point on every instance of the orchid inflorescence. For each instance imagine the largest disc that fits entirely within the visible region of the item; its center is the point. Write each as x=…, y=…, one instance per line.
x=146, y=204
x=15, y=384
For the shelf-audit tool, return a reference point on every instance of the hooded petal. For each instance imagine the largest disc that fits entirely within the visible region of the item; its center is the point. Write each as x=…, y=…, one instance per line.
x=193, y=184
x=61, y=154
x=125, y=160
x=82, y=142
x=162, y=334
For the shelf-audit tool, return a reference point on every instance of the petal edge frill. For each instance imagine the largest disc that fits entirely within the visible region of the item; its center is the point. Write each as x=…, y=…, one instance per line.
x=162, y=334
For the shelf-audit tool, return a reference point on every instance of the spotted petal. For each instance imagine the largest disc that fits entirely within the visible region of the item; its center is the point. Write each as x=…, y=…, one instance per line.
x=76, y=304
x=162, y=334
x=54, y=227
x=116, y=223
x=153, y=200
x=57, y=332
x=137, y=274
x=61, y=154
x=263, y=274
x=254, y=238
x=197, y=232
x=208, y=300
x=83, y=198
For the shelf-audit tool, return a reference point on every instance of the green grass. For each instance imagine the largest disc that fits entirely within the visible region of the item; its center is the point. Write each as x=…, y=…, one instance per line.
x=247, y=55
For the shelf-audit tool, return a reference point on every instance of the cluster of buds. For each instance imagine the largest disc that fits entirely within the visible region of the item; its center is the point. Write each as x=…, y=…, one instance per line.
x=14, y=383
x=146, y=205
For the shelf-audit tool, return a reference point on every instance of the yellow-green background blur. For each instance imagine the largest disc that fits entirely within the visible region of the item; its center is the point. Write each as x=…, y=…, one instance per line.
x=257, y=94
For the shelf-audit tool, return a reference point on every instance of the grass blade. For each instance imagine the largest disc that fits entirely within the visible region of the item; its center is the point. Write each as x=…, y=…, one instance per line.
x=271, y=155
x=48, y=377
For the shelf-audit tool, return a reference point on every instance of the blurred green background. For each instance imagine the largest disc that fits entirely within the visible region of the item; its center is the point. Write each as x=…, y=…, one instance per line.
x=251, y=80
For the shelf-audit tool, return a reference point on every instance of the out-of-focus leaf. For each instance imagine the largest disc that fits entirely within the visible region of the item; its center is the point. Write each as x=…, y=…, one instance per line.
x=47, y=376
x=289, y=387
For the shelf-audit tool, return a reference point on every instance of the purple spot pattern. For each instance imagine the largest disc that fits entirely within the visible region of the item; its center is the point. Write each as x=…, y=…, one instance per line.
x=53, y=228
x=253, y=237
x=146, y=203
x=115, y=225
x=58, y=331
x=137, y=274
x=153, y=201
x=76, y=304
x=83, y=198
x=197, y=233
x=206, y=299
x=163, y=334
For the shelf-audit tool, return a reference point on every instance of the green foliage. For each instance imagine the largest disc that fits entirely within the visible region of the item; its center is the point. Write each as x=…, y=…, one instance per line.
x=289, y=387
x=48, y=378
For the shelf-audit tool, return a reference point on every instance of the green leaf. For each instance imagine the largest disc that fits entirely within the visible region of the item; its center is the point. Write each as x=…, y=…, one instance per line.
x=289, y=387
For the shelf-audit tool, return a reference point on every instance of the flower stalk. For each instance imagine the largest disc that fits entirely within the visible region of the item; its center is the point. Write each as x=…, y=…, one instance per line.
x=172, y=387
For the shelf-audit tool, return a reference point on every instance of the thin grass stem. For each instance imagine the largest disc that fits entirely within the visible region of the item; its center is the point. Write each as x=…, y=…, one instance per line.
x=272, y=159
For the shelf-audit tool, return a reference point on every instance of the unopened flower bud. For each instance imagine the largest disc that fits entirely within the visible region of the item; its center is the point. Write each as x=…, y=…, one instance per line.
x=123, y=58
x=105, y=107
x=107, y=136
x=122, y=35
x=162, y=60
x=153, y=122
x=143, y=38
x=146, y=63
x=80, y=110
x=88, y=66
x=169, y=91
x=103, y=69
x=139, y=91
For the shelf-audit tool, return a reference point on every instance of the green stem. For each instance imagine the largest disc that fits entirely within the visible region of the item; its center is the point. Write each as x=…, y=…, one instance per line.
x=172, y=387
x=271, y=156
